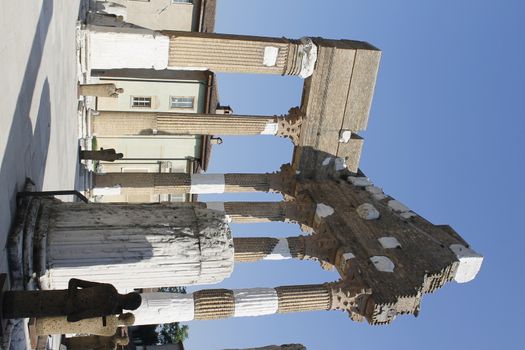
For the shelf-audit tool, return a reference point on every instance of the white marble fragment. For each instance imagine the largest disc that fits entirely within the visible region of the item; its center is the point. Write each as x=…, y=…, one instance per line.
x=340, y=164
x=344, y=136
x=376, y=192
x=255, y=302
x=382, y=263
x=207, y=183
x=397, y=206
x=389, y=242
x=270, y=129
x=347, y=256
x=159, y=307
x=327, y=161
x=308, y=51
x=138, y=49
x=367, y=212
x=323, y=210
x=469, y=263
x=359, y=181
x=270, y=56
x=408, y=214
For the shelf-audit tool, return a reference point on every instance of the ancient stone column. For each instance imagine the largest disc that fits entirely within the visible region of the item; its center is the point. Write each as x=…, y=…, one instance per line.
x=181, y=183
x=132, y=246
x=147, y=123
x=253, y=212
x=223, y=303
x=113, y=48
x=316, y=247
x=252, y=249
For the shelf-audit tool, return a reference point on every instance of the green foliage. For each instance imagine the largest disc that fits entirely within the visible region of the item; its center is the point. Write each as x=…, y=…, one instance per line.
x=172, y=333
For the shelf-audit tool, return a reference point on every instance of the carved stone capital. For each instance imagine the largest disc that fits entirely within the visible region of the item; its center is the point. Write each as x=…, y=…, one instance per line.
x=290, y=125
x=300, y=209
x=350, y=295
x=284, y=181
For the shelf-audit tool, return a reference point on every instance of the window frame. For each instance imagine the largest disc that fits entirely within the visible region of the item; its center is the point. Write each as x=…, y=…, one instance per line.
x=182, y=107
x=132, y=102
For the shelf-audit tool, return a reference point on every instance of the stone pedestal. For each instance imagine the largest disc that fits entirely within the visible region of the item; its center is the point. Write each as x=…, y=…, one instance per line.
x=104, y=326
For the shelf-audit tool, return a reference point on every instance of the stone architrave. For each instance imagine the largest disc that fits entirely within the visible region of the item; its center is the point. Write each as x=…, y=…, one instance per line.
x=104, y=326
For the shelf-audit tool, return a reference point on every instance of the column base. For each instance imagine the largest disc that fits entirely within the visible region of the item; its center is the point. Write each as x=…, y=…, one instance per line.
x=26, y=244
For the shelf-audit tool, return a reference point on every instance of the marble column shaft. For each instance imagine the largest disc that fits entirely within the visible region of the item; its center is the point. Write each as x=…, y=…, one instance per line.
x=181, y=183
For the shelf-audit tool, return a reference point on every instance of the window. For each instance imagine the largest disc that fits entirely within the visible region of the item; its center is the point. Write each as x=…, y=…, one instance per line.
x=141, y=101
x=181, y=102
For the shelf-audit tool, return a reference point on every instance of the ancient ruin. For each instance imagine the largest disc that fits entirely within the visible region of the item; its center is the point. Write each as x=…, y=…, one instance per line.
x=388, y=257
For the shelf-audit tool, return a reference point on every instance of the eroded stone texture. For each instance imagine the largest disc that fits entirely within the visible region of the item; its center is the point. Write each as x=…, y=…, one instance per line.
x=136, y=246
x=103, y=326
x=96, y=342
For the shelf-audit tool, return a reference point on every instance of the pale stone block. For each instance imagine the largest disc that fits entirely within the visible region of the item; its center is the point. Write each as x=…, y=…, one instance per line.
x=389, y=242
x=367, y=211
x=469, y=263
x=382, y=263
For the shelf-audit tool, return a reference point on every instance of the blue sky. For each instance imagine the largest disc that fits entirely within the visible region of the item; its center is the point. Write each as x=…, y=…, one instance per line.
x=446, y=137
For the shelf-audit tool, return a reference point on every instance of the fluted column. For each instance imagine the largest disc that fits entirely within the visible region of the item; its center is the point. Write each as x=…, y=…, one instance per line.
x=113, y=48
x=181, y=183
x=111, y=123
x=224, y=303
x=253, y=212
x=133, y=246
x=251, y=249
x=241, y=53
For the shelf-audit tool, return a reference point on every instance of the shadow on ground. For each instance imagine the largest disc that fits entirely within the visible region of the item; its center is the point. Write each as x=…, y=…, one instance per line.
x=26, y=150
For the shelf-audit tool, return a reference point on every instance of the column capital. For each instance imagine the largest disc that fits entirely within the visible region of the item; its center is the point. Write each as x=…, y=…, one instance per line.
x=290, y=125
x=351, y=295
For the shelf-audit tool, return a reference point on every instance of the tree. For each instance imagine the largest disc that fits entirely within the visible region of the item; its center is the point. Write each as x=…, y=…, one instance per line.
x=172, y=333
